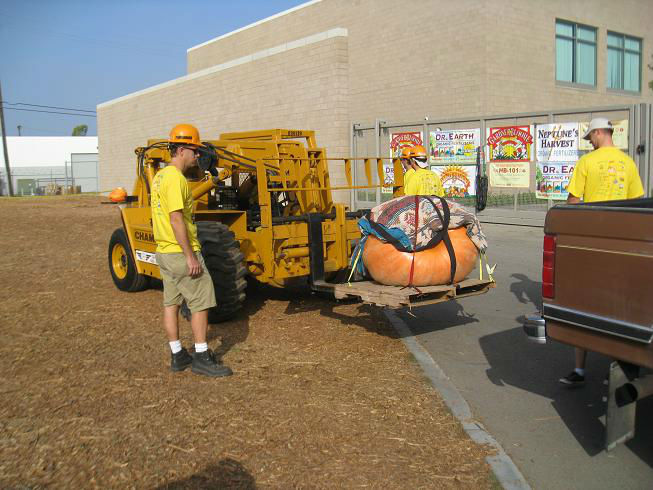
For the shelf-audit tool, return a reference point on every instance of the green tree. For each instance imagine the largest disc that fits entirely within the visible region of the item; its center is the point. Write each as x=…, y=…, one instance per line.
x=80, y=130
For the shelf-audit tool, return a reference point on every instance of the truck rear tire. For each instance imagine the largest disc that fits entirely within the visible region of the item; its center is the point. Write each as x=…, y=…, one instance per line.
x=226, y=265
x=122, y=265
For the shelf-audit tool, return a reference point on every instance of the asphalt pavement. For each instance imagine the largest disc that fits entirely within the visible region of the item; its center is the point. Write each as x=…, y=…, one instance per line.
x=552, y=433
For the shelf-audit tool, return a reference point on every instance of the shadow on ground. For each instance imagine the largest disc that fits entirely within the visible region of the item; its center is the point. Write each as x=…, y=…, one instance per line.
x=226, y=474
x=444, y=315
x=235, y=331
x=526, y=290
x=300, y=299
x=536, y=368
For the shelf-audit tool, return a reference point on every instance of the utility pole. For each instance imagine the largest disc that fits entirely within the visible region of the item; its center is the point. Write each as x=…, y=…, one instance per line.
x=10, y=185
x=19, y=128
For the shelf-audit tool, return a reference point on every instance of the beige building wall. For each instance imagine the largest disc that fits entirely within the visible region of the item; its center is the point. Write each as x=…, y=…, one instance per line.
x=407, y=59
x=299, y=87
x=521, y=53
x=452, y=59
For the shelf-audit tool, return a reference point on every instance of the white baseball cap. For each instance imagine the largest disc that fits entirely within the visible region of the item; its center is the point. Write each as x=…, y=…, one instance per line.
x=422, y=162
x=597, y=123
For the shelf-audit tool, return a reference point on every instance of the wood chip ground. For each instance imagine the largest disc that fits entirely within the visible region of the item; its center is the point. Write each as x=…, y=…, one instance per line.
x=324, y=394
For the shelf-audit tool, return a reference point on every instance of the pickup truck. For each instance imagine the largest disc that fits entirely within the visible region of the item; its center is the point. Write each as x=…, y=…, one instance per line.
x=597, y=294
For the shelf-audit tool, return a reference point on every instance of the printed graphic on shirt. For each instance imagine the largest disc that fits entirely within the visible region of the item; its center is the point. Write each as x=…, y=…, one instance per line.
x=606, y=174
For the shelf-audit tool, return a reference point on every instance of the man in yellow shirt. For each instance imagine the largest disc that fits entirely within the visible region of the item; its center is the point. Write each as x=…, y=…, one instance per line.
x=178, y=254
x=418, y=179
x=605, y=174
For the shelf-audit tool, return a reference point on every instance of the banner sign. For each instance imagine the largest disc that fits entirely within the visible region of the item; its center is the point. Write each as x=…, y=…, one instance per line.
x=457, y=181
x=510, y=174
x=398, y=141
x=454, y=146
x=619, y=136
x=552, y=180
x=557, y=142
x=388, y=177
x=510, y=144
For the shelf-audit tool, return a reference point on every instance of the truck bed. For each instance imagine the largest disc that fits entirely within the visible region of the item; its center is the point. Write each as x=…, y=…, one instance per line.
x=603, y=273
x=397, y=296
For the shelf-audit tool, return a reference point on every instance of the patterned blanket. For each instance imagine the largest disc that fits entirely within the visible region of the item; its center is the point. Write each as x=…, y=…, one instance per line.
x=399, y=213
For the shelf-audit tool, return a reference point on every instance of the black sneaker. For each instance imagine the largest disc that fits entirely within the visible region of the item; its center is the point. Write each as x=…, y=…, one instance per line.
x=206, y=364
x=573, y=379
x=180, y=361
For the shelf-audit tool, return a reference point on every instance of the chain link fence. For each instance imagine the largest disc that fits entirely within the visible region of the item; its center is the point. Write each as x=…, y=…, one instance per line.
x=520, y=205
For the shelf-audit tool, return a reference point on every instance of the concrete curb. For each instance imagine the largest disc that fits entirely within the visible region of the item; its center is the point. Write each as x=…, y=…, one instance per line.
x=503, y=467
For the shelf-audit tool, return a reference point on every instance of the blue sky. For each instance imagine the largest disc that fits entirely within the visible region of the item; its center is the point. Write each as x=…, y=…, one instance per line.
x=77, y=54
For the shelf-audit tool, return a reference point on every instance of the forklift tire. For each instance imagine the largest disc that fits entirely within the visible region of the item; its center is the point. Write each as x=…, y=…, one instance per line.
x=122, y=265
x=225, y=263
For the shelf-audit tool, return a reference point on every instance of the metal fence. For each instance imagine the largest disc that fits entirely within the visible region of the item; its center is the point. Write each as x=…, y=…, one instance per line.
x=84, y=170
x=514, y=206
x=78, y=175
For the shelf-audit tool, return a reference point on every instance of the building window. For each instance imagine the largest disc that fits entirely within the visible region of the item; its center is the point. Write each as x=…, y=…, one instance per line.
x=624, y=62
x=575, y=53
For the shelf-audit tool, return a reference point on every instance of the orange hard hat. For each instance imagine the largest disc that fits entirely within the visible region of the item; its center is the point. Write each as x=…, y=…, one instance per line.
x=185, y=134
x=119, y=194
x=416, y=151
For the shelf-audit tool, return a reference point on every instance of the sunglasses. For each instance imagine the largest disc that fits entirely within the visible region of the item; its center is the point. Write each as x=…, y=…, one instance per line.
x=196, y=151
x=420, y=159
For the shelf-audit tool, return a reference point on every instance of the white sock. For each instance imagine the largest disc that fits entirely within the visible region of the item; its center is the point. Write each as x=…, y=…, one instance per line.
x=580, y=371
x=175, y=346
x=201, y=347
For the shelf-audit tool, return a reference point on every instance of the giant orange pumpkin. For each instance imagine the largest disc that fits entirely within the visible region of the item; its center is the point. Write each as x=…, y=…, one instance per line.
x=388, y=265
x=119, y=194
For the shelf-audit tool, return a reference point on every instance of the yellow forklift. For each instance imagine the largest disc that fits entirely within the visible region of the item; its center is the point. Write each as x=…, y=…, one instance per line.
x=264, y=208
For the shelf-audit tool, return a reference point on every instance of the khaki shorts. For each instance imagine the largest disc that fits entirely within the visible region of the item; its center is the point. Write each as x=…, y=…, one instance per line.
x=178, y=285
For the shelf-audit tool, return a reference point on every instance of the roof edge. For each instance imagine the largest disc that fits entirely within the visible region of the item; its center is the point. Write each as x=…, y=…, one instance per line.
x=264, y=53
x=253, y=24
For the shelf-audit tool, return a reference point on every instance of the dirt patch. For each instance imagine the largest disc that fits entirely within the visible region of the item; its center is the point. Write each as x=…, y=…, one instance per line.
x=324, y=395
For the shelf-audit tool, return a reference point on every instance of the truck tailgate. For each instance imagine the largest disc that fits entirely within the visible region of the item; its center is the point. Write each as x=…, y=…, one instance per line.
x=603, y=298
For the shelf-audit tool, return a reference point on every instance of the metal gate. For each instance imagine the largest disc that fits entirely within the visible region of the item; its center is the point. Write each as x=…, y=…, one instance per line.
x=513, y=206
x=84, y=171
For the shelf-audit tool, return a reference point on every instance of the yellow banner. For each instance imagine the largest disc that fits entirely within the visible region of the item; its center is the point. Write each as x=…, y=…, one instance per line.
x=510, y=174
x=619, y=136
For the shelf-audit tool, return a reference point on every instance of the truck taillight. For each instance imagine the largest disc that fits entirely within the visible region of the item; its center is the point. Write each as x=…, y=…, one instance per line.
x=548, y=266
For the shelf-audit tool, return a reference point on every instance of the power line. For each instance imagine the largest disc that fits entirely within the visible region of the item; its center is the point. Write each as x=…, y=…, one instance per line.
x=50, y=112
x=48, y=107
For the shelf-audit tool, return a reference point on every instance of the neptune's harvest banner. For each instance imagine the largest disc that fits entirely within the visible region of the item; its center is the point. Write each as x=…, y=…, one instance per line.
x=556, y=142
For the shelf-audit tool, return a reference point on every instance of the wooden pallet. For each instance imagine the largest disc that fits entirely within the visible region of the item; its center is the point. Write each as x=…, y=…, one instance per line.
x=398, y=297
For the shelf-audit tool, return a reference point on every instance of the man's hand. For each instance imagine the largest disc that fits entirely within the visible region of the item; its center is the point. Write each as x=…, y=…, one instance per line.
x=571, y=199
x=194, y=266
x=181, y=234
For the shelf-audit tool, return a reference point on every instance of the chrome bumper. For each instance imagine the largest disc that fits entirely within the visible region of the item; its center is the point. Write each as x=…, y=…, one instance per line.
x=535, y=328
